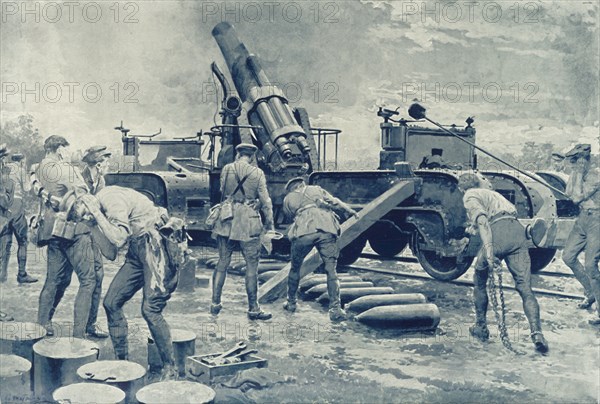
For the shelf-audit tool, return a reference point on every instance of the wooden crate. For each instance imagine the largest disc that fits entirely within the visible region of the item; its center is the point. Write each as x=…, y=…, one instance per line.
x=202, y=372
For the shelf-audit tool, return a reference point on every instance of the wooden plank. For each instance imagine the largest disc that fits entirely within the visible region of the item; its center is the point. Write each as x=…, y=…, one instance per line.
x=351, y=229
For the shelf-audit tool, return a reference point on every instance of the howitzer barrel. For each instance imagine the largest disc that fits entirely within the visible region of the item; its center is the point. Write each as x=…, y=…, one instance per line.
x=268, y=103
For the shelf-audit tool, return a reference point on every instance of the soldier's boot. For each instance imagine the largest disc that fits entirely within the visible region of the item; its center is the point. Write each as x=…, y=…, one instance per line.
x=5, y=317
x=169, y=372
x=480, y=331
x=541, y=345
x=594, y=321
x=586, y=303
x=22, y=276
x=5, y=245
x=336, y=313
x=218, y=280
x=290, y=305
x=254, y=310
x=25, y=278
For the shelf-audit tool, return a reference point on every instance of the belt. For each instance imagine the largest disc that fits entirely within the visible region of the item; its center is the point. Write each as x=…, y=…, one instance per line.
x=501, y=216
x=306, y=207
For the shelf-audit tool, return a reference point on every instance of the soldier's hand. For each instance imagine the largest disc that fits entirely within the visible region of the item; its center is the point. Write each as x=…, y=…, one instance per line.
x=493, y=262
x=355, y=214
x=91, y=203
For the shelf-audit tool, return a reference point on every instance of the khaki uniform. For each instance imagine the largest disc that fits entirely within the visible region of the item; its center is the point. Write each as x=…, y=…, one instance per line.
x=315, y=225
x=585, y=235
x=244, y=228
x=65, y=256
x=17, y=223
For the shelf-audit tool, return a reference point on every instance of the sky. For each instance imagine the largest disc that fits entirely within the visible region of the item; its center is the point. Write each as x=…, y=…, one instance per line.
x=527, y=71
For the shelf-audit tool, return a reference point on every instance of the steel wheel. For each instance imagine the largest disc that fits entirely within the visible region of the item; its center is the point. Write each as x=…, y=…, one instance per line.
x=443, y=268
x=540, y=258
x=387, y=241
x=350, y=253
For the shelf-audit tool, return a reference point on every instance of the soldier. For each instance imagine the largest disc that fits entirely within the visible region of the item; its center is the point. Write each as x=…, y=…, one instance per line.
x=96, y=161
x=315, y=225
x=503, y=238
x=66, y=253
x=584, y=189
x=6, y=195
x=435, y=160
x=17, y=223
x=245, y=186
x=123, y=216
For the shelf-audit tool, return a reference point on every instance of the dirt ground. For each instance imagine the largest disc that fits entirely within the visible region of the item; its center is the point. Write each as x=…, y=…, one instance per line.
x=312, y=360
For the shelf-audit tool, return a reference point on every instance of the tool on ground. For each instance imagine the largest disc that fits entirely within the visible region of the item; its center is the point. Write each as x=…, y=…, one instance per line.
x=234, y=355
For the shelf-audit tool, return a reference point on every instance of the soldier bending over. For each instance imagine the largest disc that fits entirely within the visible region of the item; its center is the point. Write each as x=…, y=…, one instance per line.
x=503, y=238
x=315, y=225
x=124, y=215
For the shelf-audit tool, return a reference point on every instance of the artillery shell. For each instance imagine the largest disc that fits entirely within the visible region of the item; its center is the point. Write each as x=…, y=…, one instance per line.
x=313, y=280
x=347, y=295
x=410, y=317
x=368, y=302
x=322, y=287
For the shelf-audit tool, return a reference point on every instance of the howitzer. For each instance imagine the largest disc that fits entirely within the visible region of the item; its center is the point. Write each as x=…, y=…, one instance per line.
x=280, y=137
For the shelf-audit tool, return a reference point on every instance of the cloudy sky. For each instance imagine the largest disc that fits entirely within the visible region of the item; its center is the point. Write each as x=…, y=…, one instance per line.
x=527, y=71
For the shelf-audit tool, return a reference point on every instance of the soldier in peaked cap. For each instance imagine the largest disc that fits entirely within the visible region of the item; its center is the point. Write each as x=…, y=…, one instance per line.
x=96, y=161
x=584, y=189
x=315, y=225
x=245, y=187
x=59, y=177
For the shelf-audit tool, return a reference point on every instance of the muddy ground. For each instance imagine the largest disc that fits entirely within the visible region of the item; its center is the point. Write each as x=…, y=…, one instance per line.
x=313, y=360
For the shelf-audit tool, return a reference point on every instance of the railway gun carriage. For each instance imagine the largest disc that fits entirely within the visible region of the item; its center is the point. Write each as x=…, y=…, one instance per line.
x=431, y=221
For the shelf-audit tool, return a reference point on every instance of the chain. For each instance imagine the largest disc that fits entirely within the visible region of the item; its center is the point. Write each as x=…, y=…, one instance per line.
x=499, y=312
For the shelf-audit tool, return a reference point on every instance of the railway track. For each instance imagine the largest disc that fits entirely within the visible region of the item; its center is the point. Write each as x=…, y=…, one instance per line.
x=544, y=292
x=415, y=260
x=237, y=269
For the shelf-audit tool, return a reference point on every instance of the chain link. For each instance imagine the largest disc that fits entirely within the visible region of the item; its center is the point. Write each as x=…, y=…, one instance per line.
x=499, y=312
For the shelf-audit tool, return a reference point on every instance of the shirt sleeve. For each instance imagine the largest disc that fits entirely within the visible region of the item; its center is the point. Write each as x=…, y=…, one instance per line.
x=7, y=193
x=116, y=211
x=474, y=206
x=591, y=185
x=333, y=201
x=287, y=208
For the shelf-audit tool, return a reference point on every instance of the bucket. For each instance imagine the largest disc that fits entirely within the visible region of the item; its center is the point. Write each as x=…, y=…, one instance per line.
x=55, y=363
x=15, y=379
x=184, y=345
x=127, y=376
x=18, y=338
x=176, y=392
x=82, y=393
